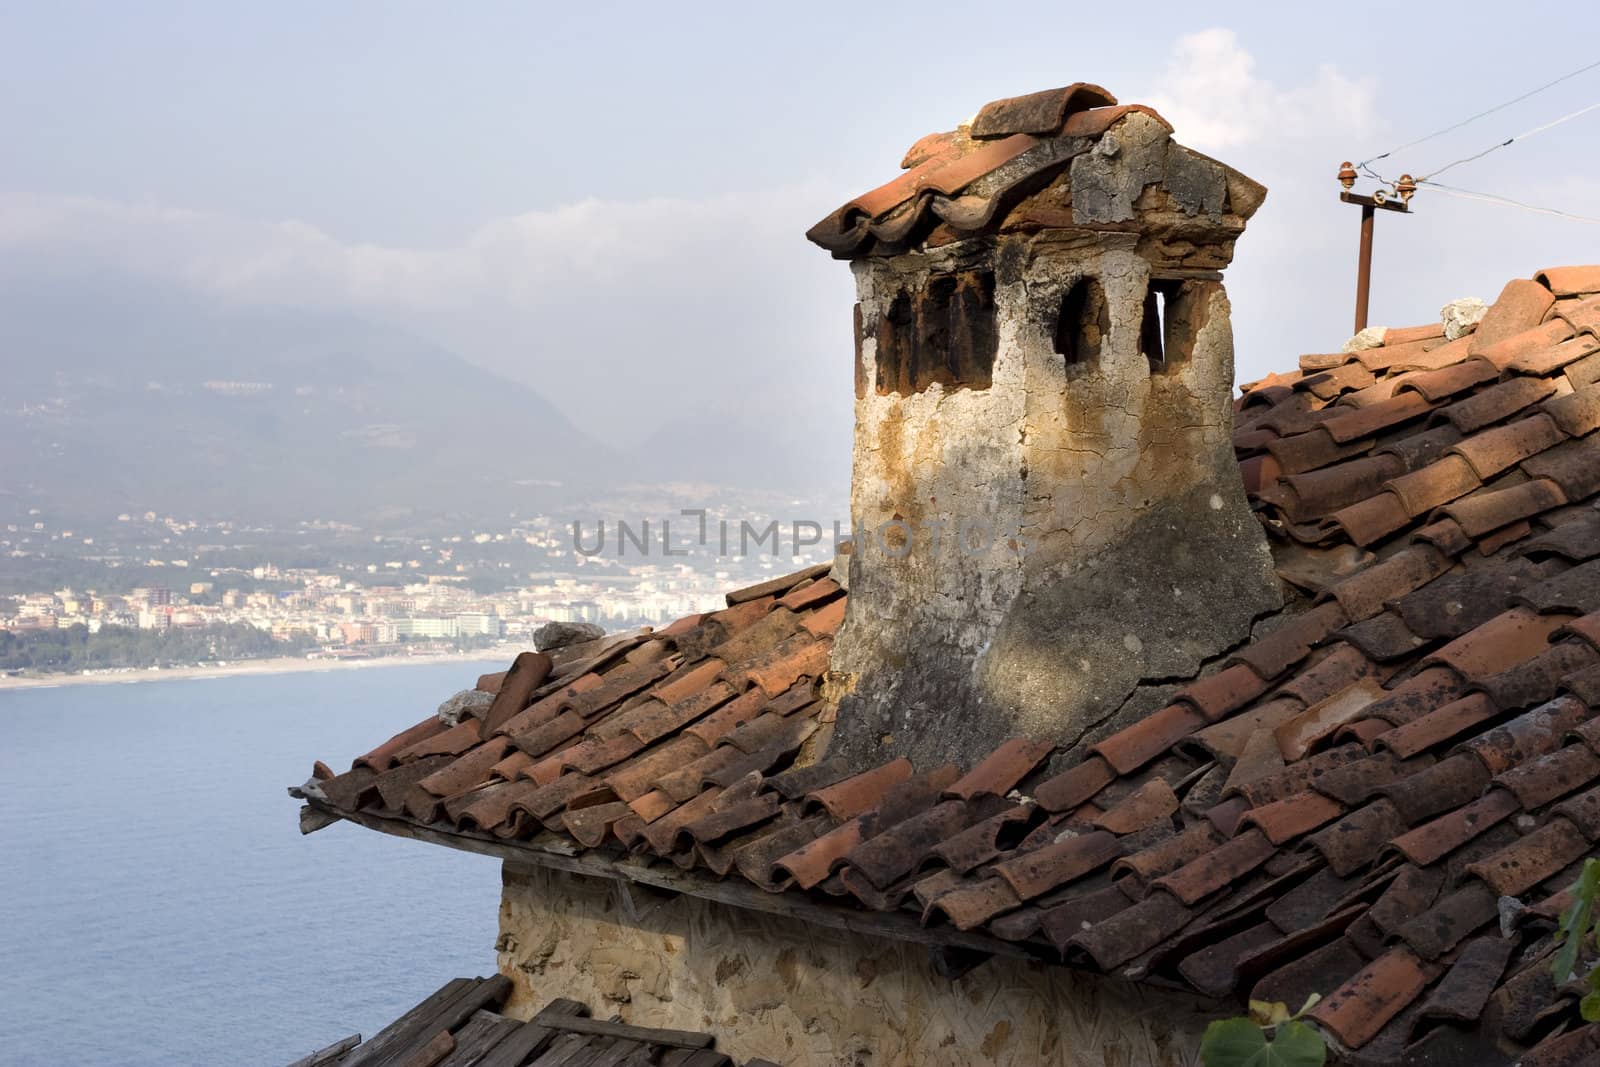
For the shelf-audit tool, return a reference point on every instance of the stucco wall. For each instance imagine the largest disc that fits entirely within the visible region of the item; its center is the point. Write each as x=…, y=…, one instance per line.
x=800, y=995
x=1114, y=543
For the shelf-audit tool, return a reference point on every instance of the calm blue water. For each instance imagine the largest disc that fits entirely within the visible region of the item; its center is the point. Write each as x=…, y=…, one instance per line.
x=159, y=904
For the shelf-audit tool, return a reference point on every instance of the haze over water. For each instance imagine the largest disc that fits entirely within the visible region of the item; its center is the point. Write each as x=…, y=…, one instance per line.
x=159, y=903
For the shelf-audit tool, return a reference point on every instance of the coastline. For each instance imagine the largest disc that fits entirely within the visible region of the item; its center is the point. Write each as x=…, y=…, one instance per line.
x=275, y=665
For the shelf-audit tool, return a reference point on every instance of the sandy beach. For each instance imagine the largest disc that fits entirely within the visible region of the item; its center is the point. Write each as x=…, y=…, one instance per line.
x=278, y=665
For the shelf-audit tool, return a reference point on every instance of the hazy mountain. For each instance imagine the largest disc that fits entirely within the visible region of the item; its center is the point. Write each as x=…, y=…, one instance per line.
x=117, y=395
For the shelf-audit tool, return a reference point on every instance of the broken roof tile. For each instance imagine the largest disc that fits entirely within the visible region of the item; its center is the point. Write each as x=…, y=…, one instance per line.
x=1451, y=920
x=986, y=840
x=1141, y=809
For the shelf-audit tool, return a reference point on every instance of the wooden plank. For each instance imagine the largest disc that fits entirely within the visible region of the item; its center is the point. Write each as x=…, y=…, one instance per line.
x=488, y=992
x=530, y=1037
x=440, y=1045
x=560, y=854
x=328, y=1054
x=563, y=1051
x=606, y=1028
x=618, y=1054
x=407, y=1026
x=481, y=1034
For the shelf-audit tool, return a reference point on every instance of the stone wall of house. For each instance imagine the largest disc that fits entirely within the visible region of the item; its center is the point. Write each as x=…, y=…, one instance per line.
x=1037, y=537
x=801, y=995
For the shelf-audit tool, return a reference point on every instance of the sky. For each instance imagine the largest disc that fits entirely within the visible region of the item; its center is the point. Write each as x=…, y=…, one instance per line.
x=608, y=201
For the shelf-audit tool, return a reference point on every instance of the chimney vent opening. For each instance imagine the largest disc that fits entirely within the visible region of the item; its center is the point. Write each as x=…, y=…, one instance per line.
x=945, y=333
x=1166, y=334
x=1082, y=323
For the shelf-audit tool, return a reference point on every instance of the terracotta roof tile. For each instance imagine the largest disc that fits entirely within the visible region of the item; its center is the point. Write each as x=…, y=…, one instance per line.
x=1134, y=746
x=1485, y=512
x=1576, y=413
x=1355, y=839
x=1572, y=465
x=971, y=905
x=1437, y=385
x=1570, y=281
x=1439, y=725
x=1226, y=863
x=1117, y=939
x=1572, y=1049
x=1521, y=305
x=1511, y=351
x=1583, y=811
x=986, y=840
x=1227, y=690
x=1283, y=820
x=1504, y=641
x=1492, y=451
x=1139, y=810
x=1363, y=595
x=1073, y=787
x=1538, y=855
x=999, y=772
x=1452, y=919
x=1359, y=1008
x=1433, y=840
x=1035, y=873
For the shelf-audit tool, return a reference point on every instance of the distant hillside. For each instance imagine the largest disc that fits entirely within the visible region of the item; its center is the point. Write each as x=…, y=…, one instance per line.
x=118, y=396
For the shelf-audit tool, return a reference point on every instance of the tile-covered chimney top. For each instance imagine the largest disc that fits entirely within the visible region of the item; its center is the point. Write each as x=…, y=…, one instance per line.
x=1049, y=520
x=990, y=175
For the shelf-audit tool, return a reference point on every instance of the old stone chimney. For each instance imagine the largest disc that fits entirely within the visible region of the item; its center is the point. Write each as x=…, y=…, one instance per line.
x=1050, y=524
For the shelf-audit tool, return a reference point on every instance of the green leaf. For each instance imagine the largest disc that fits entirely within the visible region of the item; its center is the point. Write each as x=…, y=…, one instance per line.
x=1240, y=1043
x=1589, y=1007
x=1232, y=1043
x=1575, y=921
x=1297, y=1045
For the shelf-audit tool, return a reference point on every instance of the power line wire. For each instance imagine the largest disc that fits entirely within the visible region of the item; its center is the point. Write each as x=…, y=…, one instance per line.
x=1490, y=198
x=1482, y=114
x=1525, y=135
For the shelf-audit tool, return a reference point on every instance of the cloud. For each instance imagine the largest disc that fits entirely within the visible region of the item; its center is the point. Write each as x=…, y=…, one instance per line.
x=643, y=312
x=1212, y=94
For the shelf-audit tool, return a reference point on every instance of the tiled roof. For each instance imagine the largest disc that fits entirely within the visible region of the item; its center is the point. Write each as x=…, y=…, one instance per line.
x=460, y=1025
x=965, y=181
x=1344, y=805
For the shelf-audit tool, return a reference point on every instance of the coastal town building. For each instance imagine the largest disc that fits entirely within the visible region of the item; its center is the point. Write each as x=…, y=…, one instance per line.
x=1277, y=694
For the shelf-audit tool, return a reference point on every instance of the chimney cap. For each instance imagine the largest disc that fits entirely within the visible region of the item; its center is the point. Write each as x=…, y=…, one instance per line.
x=968, y=179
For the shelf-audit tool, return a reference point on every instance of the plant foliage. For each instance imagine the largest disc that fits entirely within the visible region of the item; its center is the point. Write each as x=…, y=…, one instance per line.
x=1268, y=1037
x=1578, y=922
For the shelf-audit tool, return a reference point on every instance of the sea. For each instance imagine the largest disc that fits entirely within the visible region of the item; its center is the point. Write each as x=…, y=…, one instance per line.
x=159, y=903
